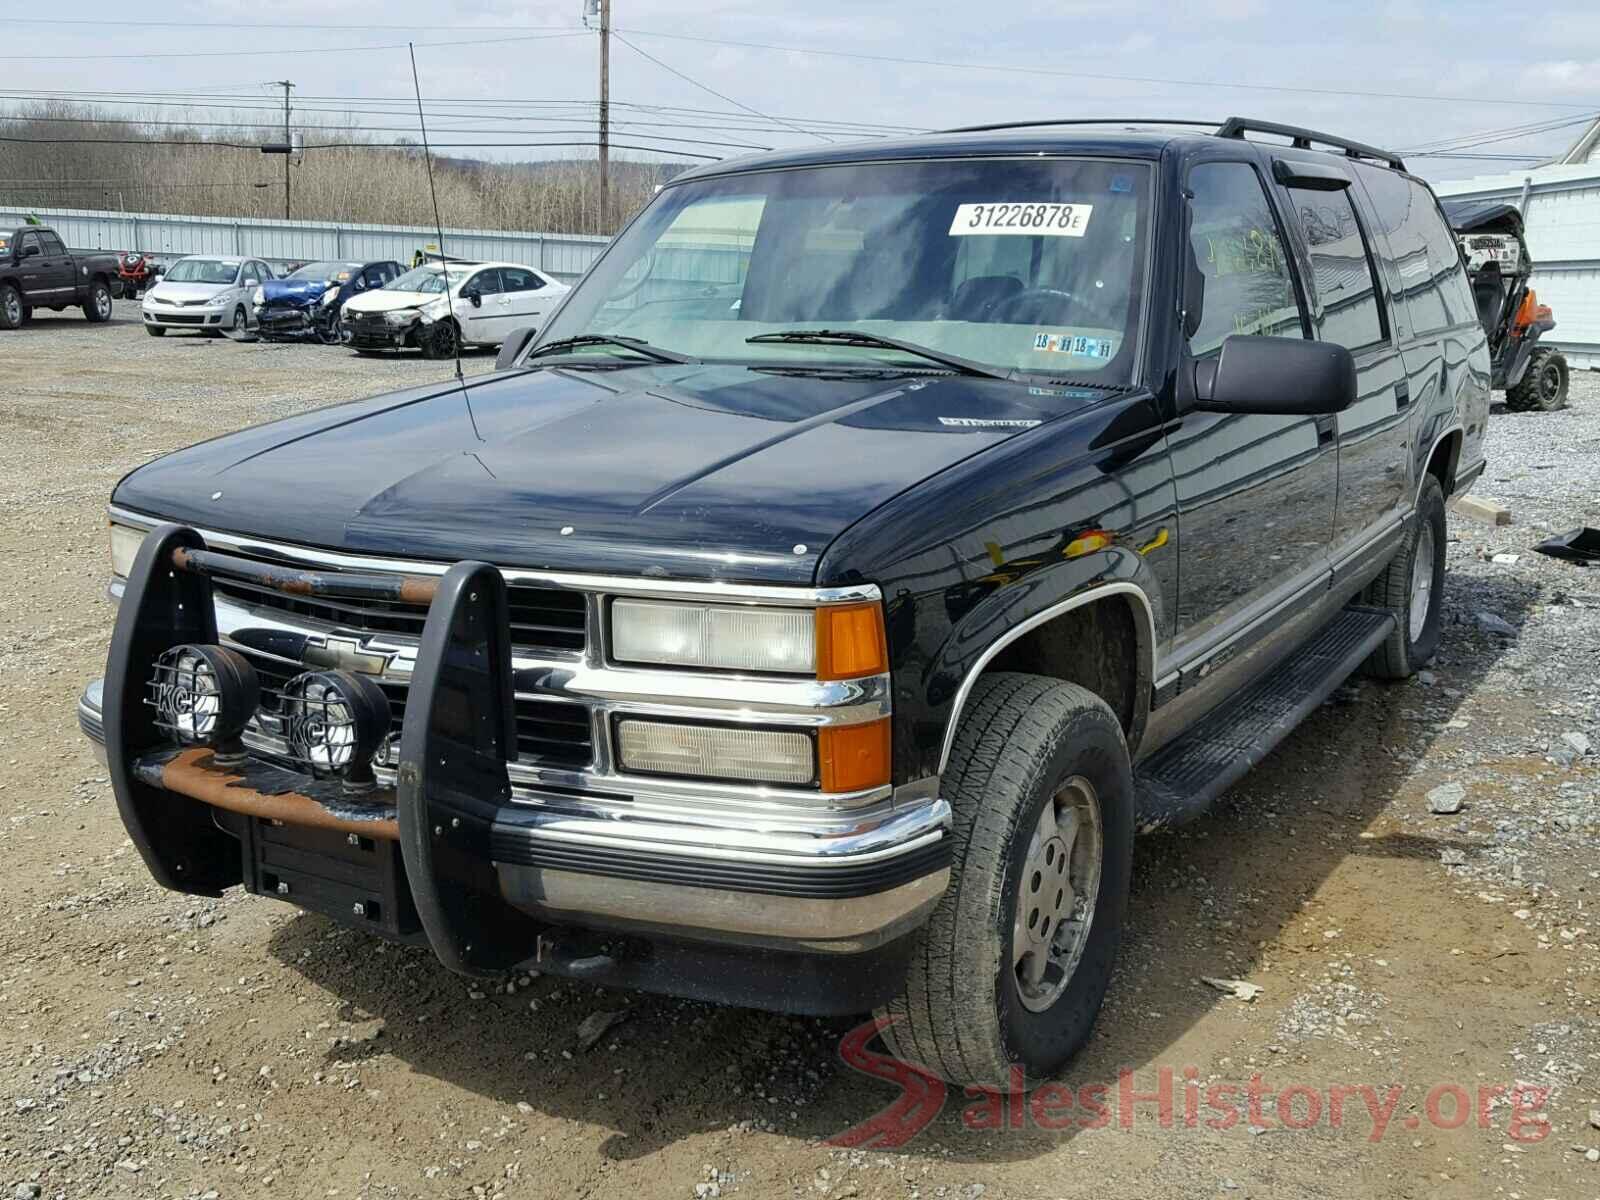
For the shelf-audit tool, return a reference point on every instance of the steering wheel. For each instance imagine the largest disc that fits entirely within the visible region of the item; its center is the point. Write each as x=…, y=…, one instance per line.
x=1027, y=304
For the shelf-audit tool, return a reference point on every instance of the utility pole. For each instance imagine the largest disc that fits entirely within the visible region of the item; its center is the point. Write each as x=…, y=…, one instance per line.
x=285, y=85
x=605, y=116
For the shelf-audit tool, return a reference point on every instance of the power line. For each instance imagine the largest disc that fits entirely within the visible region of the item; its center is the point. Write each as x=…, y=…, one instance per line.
x=1018, y=70
x=696, y=83
x=389, y=146
x=496, y=41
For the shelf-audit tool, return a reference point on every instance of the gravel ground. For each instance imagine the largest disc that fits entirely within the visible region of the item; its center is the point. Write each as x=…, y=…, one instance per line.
x=157, y=1045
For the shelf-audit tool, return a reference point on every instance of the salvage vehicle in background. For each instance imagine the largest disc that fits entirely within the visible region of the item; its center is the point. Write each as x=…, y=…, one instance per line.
x=136, y=271
x=36, y=271
x=821, y=648
x=307, y=303
x=204, y=293
x=486, y=302
x=1533, y=377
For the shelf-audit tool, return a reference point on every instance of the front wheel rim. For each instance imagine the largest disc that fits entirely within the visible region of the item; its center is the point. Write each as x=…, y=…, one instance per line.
x=1056, y=893
x=1421, y=582
x=13, y=308
x=102, y=301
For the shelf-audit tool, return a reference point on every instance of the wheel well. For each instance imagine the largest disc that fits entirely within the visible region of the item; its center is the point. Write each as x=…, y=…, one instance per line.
x=1095, y=646
x=1443, y=463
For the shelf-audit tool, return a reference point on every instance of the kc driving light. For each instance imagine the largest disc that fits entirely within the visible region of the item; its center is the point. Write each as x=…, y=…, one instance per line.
x=205, y=696
x=334, y=722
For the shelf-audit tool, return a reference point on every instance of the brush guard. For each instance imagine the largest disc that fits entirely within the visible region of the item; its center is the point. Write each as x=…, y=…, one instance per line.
x=417, y=850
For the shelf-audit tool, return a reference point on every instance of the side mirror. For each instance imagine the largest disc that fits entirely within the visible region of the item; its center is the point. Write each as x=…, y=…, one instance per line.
x=474, y=297
x=1276, y=375
x=30, y=251
x=511, y=349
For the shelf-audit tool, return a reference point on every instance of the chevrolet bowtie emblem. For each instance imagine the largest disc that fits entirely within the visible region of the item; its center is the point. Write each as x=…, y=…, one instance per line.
x=344, y=654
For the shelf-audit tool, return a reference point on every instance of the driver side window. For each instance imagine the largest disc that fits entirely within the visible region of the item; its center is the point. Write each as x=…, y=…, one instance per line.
x=1233, y=234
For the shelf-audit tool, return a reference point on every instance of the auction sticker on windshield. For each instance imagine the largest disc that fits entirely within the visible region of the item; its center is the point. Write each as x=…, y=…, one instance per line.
x=1025, y=219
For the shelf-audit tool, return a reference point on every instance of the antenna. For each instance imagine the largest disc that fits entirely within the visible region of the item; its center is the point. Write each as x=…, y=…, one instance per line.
x=438, y=228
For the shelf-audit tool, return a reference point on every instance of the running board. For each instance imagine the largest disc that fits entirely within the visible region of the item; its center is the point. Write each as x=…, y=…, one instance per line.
x=1181, y=780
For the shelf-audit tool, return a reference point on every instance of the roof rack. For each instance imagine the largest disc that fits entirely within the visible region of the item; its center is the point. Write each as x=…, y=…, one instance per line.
x=1237, y=127
x=1078, y=121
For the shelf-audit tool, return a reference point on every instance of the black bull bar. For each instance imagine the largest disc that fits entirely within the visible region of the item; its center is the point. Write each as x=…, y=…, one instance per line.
x=458, y=732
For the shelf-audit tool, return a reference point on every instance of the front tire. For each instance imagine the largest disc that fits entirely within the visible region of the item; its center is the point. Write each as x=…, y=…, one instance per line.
x=1544, y=387
x=155, y=330
x=98, y=307
x=1013, y=965
x=1410, y=588
x=439, y=341
x=12, y=314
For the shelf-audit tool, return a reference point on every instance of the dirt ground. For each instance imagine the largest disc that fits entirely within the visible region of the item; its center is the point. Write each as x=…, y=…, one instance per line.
x=156, y=1045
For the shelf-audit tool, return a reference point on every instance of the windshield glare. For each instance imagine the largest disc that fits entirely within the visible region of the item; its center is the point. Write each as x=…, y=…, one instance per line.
x=1032, y=265
x=426, y=279
x=202, y=270
x=323, y=271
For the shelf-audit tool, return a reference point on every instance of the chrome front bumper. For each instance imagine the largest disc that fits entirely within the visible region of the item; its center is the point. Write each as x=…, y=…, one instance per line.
x=845, y=883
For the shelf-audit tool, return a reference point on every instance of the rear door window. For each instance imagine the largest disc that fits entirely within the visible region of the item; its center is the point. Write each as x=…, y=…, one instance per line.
x=1424, y=264
x=1249, y=285
x=52, y=245
x=1341, y=269
x=518, y=280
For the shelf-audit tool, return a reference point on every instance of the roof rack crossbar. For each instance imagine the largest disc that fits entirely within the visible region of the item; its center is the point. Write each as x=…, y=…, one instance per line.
x=1237, y=127
x=1077, y=121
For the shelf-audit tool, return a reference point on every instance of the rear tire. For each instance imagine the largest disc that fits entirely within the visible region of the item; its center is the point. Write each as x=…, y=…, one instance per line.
x=1544, y=387
x=1006, y=972
x=98, y=307
x=1410, y=588
x=12, y=314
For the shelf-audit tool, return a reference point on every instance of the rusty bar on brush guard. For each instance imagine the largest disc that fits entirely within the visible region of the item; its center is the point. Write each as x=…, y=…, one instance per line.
x=193, y=773
x=355, y=585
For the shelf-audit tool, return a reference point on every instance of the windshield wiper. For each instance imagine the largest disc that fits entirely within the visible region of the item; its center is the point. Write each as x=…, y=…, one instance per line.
x=855, y=337
x=637, y=345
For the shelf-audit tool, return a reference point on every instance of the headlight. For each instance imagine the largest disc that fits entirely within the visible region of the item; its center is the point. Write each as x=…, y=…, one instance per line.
x=842, y=641
x=259, y=296
x=723, y=637
x=401, y=316
x=717, y=752
x=125, y=543
x=328, y=297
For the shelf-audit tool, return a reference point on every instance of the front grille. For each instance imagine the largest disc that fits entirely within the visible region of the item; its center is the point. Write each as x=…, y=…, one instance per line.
x=182, y=318
x=541, y=618
x=550, y=733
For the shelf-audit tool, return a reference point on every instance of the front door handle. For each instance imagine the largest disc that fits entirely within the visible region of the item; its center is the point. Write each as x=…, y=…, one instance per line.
x=1402, y=395
x=1325, y=430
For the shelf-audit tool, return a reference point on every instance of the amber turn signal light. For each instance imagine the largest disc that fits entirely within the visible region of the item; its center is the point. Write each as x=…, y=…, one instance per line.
x=851, y=641
x=853, y=757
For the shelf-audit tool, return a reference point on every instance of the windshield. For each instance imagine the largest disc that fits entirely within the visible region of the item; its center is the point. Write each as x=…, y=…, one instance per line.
x=202, y=270
x=1032, y=265
x=427, y=279
x=323, y=271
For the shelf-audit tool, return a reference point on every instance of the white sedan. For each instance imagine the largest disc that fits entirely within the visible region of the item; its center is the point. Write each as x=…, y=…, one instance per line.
x=486, y=302
x=202, y=292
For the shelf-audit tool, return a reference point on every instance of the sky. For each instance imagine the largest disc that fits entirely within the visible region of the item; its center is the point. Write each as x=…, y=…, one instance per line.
x=1444, y=70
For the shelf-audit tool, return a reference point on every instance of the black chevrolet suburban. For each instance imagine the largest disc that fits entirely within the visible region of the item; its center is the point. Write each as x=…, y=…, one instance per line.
x=809, y=616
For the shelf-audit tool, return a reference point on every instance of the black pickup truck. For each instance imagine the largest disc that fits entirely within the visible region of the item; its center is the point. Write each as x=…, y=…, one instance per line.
x=874, y=540
x=36, y=271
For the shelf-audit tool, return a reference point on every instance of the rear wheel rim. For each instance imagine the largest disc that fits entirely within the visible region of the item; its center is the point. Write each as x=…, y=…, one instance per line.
x=1421, y=582
x=1550, y=381
x=1056, y=893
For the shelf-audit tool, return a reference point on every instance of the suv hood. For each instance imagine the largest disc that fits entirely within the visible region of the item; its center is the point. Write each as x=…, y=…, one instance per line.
x=292, y=291
x=693, y=471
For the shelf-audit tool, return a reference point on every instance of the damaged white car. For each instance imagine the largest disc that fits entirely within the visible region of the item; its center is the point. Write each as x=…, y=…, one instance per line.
x=483, y=304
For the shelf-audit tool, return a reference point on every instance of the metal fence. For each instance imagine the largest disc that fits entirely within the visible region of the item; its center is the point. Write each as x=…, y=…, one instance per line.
x=564, y=255
x=1561, y=208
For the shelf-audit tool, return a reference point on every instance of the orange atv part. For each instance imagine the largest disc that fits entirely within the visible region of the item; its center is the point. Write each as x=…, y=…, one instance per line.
x=1527, y=311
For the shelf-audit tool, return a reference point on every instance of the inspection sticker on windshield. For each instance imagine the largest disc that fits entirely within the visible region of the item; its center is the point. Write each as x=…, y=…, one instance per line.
x=1066, y=343
x=1024, y=219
